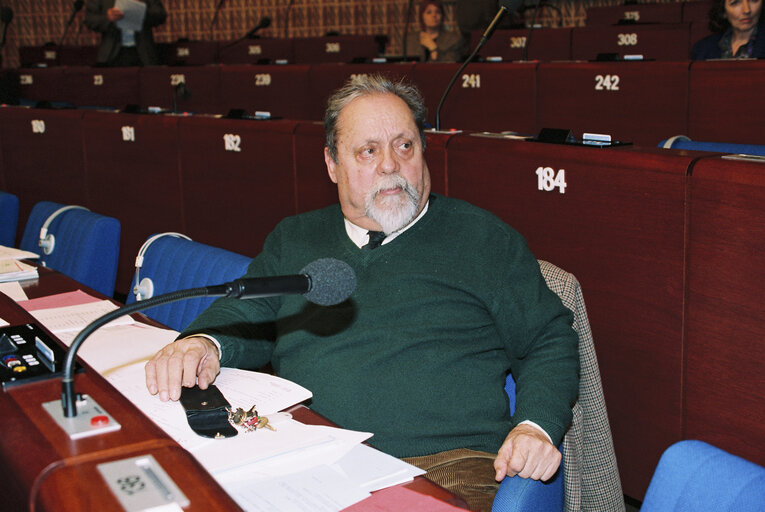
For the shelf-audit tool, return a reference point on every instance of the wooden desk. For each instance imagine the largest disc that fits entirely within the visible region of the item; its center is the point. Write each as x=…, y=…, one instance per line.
x=44, y=470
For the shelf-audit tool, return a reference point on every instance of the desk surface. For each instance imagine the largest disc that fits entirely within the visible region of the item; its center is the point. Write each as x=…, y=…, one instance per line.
x=48, y=471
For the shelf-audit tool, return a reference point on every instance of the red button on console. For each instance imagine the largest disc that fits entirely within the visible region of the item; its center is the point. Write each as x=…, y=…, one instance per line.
x=99, y=421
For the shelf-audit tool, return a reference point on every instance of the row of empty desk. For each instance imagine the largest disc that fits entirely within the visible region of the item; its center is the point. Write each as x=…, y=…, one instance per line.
x=304, y=50
x=665, y=41
x=668, y=244
x=639, y=102
x=662, y=42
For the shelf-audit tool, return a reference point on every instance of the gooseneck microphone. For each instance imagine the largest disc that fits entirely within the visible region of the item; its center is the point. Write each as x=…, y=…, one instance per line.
x=77, y=7
x=405, y=36
x=215, y=16
x=505, y=6
x=287, y=19
x=325, y=282
x=264, y=22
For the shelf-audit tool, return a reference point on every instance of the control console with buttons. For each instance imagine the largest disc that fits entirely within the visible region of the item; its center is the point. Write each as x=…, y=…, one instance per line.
x=28, y=354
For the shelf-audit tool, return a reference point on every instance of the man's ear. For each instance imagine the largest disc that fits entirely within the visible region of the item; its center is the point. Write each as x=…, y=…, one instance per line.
x=330, y=165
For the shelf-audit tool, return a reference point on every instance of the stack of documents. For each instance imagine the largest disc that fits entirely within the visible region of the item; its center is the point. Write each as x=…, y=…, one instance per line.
x=13, y=270
x=295, y=467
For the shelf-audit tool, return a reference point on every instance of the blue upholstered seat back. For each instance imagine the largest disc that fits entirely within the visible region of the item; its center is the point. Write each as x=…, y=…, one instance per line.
x=9, y=219
x=87, y=244
x=693, y=475
x=718, y=147
x=175, y=264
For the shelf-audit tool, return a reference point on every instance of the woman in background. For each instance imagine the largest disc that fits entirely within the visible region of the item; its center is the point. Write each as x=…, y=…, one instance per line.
x=739, y=33
x=433, y=43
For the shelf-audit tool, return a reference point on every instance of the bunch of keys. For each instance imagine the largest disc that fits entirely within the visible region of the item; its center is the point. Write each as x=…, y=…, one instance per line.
x=248, y=420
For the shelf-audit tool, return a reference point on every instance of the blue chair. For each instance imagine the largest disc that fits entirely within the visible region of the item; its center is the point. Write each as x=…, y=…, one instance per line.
x=683, y=142
x=9, y=219
x=76, y=242
x=518, y=494
x=693, y=475
x=169, y=262
x=589, y=477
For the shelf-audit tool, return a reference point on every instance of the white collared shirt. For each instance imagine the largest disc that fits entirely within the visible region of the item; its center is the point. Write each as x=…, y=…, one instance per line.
x=360, y=236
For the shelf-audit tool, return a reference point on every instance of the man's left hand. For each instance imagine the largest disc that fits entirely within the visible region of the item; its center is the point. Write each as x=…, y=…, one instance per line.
x=527, y=453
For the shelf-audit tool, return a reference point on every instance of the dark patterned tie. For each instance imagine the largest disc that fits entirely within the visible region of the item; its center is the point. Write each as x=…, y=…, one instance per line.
x=375, y=239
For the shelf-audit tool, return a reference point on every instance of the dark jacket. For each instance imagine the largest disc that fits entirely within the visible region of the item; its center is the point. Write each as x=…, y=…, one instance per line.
x=708, y=47
x=111, y=36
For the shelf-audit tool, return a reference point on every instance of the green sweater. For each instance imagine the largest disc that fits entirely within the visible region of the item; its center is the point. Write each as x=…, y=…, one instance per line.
x=418, y=355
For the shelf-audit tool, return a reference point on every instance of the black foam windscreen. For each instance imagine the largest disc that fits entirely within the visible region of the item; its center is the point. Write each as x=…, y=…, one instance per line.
x=510, y=5
x=332, y=281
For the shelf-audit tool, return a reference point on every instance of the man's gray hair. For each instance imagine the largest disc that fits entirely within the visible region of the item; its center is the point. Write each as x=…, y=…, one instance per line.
x=364, y=85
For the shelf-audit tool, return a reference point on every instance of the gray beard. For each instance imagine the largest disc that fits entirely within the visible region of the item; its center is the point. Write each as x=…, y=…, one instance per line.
x=395, y=212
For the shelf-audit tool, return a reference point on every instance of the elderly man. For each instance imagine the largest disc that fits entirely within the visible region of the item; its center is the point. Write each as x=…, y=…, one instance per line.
x=448, y=301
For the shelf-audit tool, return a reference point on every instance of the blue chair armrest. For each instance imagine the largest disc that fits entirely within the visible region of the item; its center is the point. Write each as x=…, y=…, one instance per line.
x=518, y=494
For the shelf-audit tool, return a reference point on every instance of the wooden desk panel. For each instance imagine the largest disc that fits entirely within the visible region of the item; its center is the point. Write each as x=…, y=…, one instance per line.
x=190, y=53
x=38, y=84
x=664, y=42
x=725, y=353
x=280, y=90
x=157, y=88
x=717, y=117
x=344, y=49
x=313, y=187
x=42, y=157
x=324, y=79
x=100, y=87
x=619, y=228
x=485, y=97
x=256, y=51
x=642, y=13
x=622, y=99
x=545, y=44
x=132, y=174
x=237, y=179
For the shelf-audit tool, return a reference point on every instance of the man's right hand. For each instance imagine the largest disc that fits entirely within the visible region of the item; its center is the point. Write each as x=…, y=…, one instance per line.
x=184, y=362
x=113, y=14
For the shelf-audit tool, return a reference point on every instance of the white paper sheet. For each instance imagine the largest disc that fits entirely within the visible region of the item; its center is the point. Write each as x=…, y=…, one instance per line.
x=76, y=318
x=14, y=291
x=315, y=490
x=16, y=254
x=134, y=14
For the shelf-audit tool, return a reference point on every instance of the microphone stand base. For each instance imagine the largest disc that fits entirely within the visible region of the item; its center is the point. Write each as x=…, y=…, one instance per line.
x=90, y=420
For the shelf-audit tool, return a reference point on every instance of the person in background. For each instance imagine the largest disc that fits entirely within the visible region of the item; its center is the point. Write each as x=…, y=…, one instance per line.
x=433, y=43
x=738, y=32
x=124, y=47
x=419, y=353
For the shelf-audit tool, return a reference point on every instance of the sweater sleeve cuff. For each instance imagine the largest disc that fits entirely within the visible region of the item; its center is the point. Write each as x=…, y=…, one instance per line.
x=207, y=337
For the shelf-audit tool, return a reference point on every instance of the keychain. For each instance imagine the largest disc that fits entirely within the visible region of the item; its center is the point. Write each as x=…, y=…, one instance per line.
x=247, y=420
